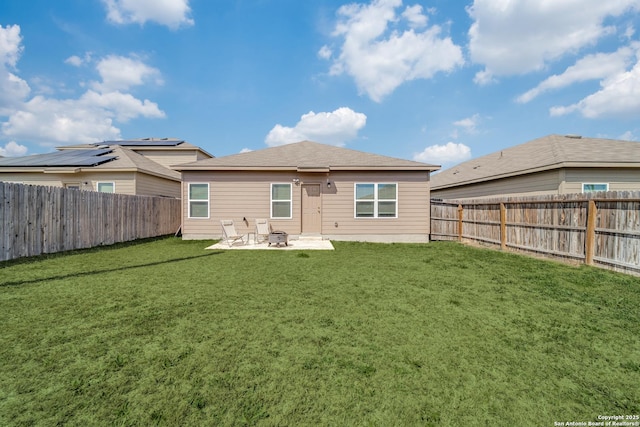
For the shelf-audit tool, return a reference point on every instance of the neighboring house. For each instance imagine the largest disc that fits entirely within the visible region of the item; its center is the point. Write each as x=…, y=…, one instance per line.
x=137, y=167
x=309, y=188
x=553, y=164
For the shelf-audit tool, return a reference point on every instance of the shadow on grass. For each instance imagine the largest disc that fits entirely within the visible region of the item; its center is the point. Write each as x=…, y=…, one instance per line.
x=109, y=270
x=100, y=248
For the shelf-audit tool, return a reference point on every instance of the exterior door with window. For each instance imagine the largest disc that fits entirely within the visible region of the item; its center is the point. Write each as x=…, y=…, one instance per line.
x=311, y=209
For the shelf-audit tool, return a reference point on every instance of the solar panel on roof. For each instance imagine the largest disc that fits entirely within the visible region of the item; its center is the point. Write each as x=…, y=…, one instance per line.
x=146, y=143
x=60, y=159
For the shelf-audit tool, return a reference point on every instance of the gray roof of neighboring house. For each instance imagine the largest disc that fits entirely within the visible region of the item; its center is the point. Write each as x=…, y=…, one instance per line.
x=116, y=158
x=169, y=144
x=306, y=156
x=129, y=159
x=546, y=153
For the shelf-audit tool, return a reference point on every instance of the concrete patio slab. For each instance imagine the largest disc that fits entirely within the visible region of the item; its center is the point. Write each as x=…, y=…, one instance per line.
x=297, y=244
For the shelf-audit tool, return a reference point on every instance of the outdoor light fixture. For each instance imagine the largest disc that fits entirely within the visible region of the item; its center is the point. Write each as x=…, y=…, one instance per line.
x=328, y=184
x=296, y=181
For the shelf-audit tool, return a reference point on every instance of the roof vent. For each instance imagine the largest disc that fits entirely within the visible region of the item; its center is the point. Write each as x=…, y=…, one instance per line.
x=573, y=136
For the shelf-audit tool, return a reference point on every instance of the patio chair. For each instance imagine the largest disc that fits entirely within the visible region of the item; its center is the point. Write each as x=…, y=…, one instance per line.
x=262, y=230
x=230, y=234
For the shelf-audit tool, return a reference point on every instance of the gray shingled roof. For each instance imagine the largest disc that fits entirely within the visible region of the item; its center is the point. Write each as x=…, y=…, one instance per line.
x=130, y=160
x=549, y=152
x=97, y=159
x=306, y=155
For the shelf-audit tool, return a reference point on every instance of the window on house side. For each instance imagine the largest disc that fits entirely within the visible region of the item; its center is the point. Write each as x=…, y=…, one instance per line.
x=589, y=188
x=198, y=200
x=106, y=187
x=281, y=201
x=376, y=200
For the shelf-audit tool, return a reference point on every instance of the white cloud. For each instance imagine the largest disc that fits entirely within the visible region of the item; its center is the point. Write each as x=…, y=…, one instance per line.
x=619, y=96
x=52, y=122
x=629, y=31
x=88, y=118
x=334, y=128
x=414, y=15
x=121, y=73
x=122, y=106
x=628, y=136
x=12, y=149
x=325, y=52
x=13, y=89
x=484, y=78
x=519, y=36
x=10, y=47
x=379, y=58
x=469, y=124
x=77, y=61
x=74, y=60
x=449, y=153
x=172, y=13
x=591, y=67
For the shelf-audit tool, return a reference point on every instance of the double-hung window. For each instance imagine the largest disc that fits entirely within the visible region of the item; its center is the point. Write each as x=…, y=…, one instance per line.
x=376, y=200
x=198, y=200
x=589, y=188
x=281, y=201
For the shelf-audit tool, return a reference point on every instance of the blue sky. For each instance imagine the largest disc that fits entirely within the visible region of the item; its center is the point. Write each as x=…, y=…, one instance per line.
x=430, y=80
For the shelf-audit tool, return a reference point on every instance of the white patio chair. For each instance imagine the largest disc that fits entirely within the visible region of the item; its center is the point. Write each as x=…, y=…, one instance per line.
x=262, y=230
x=230, y=234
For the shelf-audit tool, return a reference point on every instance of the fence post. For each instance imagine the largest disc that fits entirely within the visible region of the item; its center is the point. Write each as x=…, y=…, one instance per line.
x=503, y=226
x=590, y=238
x=460, y=212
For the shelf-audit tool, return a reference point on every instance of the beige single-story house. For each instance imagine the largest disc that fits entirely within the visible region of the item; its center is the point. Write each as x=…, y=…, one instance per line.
x=136, y=166
x=554, y=164
x=308, y=188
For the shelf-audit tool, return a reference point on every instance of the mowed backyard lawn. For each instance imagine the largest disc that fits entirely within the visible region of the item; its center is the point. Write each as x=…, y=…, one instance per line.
x=165, y=332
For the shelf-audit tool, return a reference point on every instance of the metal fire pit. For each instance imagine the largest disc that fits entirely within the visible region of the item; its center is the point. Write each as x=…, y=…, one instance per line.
x=278, y=237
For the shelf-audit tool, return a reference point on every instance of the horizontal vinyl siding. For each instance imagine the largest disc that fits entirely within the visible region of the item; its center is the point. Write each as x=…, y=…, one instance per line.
x=239, y=195
x=124, y=181
x=51, y=180
x=618, y=179
x=413, y=204
x=532, y=184
x=149, y=185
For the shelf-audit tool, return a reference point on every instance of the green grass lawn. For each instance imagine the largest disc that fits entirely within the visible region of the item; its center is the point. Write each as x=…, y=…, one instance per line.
x=164, y=332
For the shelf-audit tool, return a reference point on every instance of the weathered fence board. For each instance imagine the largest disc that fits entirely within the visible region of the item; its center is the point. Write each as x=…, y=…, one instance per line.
x=597, y=228
x=37, y=220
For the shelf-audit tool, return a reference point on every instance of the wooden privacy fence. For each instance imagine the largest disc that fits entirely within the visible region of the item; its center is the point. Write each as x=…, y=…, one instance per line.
x=36, y=220
x=600, y=229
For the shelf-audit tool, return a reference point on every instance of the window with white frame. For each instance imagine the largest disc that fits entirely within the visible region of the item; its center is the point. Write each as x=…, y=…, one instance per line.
x=106, y=187
x=374, y=200
x=198, y=200
x=591, y=187
x=281, y=201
